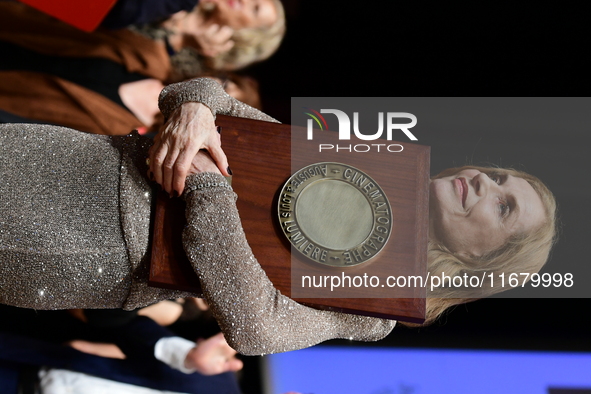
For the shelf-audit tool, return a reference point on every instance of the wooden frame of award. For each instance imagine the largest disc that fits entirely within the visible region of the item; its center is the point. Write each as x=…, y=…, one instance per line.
x=294, y=236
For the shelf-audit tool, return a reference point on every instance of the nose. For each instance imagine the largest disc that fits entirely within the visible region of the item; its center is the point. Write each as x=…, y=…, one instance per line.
x=481, y=183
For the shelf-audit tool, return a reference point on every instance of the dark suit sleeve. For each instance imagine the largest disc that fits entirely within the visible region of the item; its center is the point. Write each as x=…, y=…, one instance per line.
x=137, y=12
x=135, y=335
x=138, y=338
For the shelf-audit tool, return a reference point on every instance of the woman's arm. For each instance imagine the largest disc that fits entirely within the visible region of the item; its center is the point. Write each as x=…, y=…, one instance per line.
x=254, y=316
x=189, y=109
x=210, y=93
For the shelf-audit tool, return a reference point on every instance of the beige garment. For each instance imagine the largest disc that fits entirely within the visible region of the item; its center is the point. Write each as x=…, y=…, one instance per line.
x=54, y=100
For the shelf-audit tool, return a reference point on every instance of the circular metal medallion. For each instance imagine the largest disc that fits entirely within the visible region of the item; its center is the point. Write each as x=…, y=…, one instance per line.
x=335, y=214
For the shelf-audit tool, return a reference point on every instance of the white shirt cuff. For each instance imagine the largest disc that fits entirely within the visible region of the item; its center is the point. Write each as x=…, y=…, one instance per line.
x=173, y=351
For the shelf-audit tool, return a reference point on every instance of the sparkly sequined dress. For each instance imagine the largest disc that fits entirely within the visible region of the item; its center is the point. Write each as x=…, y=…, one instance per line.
x=75, y=223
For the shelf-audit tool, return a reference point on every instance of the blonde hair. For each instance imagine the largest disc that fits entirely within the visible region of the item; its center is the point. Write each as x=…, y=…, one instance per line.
x=252, y=45
x=523, y=253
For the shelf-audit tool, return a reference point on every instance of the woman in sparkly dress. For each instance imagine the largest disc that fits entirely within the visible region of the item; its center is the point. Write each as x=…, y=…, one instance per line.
x=75, y=225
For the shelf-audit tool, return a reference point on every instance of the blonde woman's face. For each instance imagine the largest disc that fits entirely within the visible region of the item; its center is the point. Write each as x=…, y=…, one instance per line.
x=240, y=14
x=473, y=213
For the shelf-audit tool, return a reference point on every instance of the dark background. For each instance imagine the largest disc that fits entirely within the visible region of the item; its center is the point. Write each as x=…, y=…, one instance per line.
x=378, y=48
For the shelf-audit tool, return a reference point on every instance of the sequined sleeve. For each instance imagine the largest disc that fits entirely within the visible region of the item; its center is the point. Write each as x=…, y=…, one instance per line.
x=208, y=92
x=254, y=316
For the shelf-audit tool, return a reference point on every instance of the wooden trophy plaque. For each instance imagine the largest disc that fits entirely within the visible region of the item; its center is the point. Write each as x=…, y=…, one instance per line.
x=261, y=160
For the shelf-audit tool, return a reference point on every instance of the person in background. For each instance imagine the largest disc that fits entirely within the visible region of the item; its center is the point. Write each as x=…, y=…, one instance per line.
x=219, y=35
x=105, y=82
x=118, y=347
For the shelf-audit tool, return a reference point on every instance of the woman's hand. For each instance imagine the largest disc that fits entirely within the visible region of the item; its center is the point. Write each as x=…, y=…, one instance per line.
x=190, y=128
x=202, y=162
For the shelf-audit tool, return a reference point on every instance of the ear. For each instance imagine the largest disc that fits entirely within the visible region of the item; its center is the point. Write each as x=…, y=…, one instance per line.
x=468, y=259
x=466, y=256
x=469, y=253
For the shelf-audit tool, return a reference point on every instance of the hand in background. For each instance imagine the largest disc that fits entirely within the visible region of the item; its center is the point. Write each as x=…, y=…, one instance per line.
x=213, y=356
x=109, y=350
x=214, y=40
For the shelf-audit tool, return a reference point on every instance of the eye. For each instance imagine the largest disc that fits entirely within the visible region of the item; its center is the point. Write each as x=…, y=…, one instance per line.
x=504, y=208
x=495, y=177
